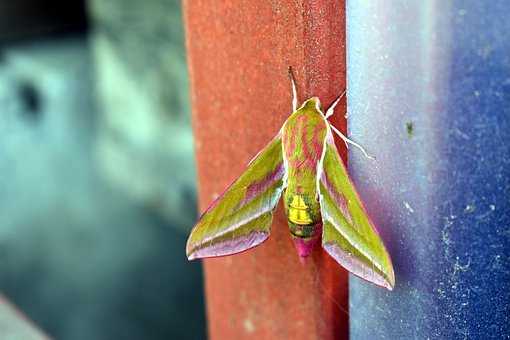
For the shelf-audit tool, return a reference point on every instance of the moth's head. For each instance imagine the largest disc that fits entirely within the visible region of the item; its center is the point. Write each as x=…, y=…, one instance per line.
x=312, y=103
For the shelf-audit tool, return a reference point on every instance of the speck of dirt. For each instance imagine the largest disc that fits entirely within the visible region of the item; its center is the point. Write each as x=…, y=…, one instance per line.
x=410, y=129
x=248, y=326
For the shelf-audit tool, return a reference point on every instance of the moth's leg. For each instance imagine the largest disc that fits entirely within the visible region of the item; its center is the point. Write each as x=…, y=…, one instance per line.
x=331, y=109
x=347, y=141
x=294, y=90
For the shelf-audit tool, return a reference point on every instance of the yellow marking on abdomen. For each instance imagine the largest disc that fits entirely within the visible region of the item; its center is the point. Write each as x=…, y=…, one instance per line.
x=298, y=211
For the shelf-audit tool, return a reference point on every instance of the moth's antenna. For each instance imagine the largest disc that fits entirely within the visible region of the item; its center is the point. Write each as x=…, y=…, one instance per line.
x=347, y=141
x=294, y=91
x=331, y=109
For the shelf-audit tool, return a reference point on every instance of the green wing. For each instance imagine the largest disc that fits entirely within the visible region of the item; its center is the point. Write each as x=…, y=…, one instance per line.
x=241, y=217
x=349, y=235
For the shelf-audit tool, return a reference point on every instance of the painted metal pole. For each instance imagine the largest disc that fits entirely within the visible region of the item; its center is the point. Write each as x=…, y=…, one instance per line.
x=429, y=85
x=238, y=54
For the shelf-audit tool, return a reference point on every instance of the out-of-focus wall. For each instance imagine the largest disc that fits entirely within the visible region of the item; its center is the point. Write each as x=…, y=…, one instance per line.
x=144, y=140
x=81, y=258
x=29, y=19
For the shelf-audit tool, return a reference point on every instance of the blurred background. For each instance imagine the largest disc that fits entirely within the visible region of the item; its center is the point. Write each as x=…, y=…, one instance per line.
x=97, y=177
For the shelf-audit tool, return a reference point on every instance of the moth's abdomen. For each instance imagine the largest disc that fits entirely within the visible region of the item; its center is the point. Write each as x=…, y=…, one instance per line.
x=299, y=211
x=304, y=220
x=303, y=214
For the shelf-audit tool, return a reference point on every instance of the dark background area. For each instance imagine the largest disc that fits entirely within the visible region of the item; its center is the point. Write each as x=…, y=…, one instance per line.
x=30, y=19
x=97, y=177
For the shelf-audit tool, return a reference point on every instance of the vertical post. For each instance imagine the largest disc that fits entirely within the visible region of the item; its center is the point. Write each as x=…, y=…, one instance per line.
x=238, y=53
x=428, y=96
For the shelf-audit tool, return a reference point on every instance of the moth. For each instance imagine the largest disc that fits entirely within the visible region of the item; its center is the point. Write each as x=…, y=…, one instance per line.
x=320, y=201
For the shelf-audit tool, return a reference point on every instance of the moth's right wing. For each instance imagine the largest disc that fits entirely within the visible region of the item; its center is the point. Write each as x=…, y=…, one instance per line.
x=241, y=217
x=349, y=234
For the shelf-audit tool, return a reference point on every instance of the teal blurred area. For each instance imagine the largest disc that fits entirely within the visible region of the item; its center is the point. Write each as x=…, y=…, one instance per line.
x=97, y=177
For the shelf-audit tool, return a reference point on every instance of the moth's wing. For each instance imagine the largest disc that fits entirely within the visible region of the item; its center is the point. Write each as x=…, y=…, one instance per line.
x=241, y=217
x=349, y=235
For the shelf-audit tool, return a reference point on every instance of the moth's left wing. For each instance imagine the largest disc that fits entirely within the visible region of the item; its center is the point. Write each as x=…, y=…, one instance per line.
x=241, y=217
x=349, y=235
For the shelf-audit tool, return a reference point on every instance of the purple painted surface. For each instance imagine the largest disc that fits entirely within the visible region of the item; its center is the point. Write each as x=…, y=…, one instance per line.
x=429, y=85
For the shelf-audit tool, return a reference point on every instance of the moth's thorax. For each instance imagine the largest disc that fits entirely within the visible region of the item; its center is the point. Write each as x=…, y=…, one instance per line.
x=303, y=138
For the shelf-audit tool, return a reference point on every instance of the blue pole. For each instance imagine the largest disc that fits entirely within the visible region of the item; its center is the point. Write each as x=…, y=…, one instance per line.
x=429, y=96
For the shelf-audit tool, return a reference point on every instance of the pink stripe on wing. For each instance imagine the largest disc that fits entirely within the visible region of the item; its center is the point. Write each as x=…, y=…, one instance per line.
x=233, y=246
x=338, y=197
x=262, y=185
x=355, y=266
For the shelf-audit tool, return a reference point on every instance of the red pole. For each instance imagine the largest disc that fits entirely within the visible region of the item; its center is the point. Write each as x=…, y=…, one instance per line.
x=238, y=54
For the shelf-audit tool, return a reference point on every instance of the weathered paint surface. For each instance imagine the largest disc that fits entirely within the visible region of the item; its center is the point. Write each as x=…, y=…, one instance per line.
x=429, y=85
x=238, y=56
